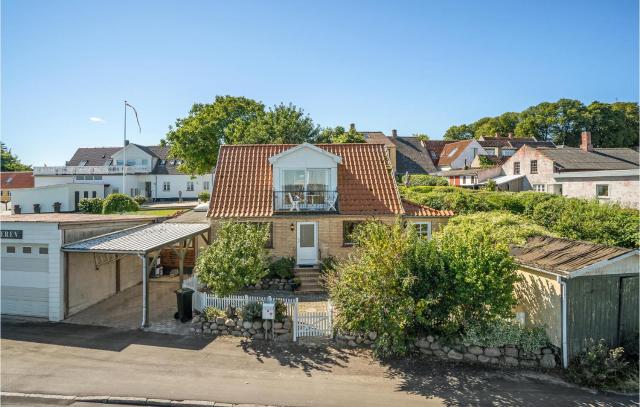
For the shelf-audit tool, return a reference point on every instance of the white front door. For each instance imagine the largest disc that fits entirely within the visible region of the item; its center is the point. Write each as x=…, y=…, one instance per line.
x=307, y=243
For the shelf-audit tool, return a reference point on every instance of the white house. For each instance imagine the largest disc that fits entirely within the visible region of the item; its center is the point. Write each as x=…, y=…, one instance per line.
x=148, y=172
x=54, y=198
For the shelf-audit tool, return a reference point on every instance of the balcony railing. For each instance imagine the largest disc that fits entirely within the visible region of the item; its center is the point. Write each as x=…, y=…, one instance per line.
x=89, y=170
x=305, y=201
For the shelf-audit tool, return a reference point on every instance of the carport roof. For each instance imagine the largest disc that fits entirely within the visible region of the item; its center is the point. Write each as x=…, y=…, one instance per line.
x=138, y=240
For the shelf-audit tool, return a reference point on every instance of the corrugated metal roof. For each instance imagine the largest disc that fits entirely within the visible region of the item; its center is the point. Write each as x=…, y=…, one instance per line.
x=140, y=239
x=506, y=178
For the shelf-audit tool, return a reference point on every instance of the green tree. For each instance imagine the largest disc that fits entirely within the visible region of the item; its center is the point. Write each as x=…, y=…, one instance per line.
x=613, y=125
x=339, y=135
x=560, y=122
x=421, y=136
x=10, y=162
x=236, y=258
x=462, y=132
x=490, y=126
x=196, y=138
x=282, y=124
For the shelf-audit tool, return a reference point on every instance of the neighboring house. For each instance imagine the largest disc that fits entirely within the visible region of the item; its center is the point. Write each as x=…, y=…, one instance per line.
x=609, y=175
x=312, y=196
x=11, y=181
x=54, y=198
x=149, y=172
x=480, y=160
x=378, y=137
x=507, y=146
x=471, y=177
x=578, y=290
x=459, y=154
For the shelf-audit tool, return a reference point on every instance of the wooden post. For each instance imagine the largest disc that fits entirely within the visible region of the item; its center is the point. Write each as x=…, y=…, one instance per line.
x=145, y=291
x=118, y=275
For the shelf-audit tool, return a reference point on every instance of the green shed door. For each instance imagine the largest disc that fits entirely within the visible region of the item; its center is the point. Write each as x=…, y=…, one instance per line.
x=593, y=310
x=628, y=308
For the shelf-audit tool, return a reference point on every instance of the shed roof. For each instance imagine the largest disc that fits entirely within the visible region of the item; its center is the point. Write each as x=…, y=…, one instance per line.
x=563, y=256
x=16, y=179
x=138, y=240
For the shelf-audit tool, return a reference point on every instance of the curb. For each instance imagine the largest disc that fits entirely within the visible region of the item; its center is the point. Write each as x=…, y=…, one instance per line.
x=129, y=401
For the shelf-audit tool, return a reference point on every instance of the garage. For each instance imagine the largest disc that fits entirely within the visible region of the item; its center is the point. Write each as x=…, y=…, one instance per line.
x=25, y=279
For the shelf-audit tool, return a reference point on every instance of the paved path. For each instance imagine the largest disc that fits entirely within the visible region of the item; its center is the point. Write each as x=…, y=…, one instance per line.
x=68, y=359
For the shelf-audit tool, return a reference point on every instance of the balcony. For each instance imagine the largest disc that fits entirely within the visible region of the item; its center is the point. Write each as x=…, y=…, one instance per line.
x=305, y=201
x=91, y=170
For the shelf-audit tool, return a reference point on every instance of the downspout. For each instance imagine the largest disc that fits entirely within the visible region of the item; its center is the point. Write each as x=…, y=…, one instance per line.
x=565, y=347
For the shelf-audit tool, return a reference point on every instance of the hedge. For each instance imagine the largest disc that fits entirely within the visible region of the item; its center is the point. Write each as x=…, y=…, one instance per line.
x=90, y=205
x=119, y=203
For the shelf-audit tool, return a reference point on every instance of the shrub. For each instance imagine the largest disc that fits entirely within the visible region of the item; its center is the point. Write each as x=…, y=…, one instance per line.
x=236, y=258
x=211, y=313
x=598, y=365
x=281, y=311
x=90, y=205
x=424, y=180
x=282, y=267
x=118, y=203
x=140, y=199
x=502, y=332
x=204, y=196
x=491, y=185
x=252, y=311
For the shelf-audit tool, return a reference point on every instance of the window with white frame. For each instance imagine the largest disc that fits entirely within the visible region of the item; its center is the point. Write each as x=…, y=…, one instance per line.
x=205, y=185
x=423, y=229
x=539, y=187
x=602, y=191
x=166, y=186
x=516, y=168
x=464, y=179
x=189, y=185
x=507, y=152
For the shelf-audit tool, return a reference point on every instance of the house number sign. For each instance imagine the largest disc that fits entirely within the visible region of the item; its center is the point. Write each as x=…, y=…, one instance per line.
x=11, y=234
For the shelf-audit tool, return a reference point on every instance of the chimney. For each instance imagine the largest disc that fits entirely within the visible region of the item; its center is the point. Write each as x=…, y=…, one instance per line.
x=394, y=133
x=510, y=135
x=352, y=127
x=586, y=141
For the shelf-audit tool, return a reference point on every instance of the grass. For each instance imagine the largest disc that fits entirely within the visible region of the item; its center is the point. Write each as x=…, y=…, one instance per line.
x=154, y=212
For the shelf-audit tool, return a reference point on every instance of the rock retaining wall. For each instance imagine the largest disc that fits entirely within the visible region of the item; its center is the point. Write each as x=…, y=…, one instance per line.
x=237, y=327
x=274, y=284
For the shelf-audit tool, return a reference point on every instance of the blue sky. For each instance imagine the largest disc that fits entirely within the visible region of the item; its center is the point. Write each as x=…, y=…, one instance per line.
x=415, y=66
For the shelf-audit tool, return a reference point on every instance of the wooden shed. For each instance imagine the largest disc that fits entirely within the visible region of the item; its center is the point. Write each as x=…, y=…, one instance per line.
x=578, y=290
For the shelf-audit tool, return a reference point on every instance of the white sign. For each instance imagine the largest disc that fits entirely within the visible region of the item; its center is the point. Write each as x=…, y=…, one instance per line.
x=268, y=310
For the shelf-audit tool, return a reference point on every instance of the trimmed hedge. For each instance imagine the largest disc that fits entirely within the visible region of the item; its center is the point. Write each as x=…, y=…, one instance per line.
x=572, y=218
x=118, y=203
x=90, y=205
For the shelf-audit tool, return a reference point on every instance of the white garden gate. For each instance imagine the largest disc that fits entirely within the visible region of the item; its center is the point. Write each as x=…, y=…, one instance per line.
x=313, y=323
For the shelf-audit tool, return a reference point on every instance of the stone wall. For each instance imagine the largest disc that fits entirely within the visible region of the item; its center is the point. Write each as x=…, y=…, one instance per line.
x=286, y=284
x=237, y=327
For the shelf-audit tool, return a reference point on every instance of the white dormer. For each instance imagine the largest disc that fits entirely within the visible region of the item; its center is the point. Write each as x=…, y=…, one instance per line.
x=305, y=177
x=135, y=157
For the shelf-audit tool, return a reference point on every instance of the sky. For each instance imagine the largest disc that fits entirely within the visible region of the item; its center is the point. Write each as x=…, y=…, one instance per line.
x=419, y=67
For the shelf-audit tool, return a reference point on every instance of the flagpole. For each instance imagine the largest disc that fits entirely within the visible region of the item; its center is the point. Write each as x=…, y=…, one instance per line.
x=124, y=158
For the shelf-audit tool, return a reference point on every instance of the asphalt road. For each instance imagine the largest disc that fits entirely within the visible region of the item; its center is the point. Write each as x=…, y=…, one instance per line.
x=39, y=357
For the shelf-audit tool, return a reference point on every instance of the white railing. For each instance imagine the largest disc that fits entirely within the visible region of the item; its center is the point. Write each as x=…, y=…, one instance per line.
x=305, y=324
x=90, y=170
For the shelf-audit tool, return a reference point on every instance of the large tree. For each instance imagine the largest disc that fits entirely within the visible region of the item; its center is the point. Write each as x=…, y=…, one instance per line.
x=196, y=138
x=462, y=132
x=339, y=135
x=560, y=122
x=11, y=162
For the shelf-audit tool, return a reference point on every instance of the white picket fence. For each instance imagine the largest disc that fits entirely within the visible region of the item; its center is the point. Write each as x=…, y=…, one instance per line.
x=305, y=324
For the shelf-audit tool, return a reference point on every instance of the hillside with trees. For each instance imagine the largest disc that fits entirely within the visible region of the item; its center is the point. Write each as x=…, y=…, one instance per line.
x=611, y=124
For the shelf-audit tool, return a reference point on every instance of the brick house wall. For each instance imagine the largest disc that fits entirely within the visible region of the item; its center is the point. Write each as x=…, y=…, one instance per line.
x=524, y=156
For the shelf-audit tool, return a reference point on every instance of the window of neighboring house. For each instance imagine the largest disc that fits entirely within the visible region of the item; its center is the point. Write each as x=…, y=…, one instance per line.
x=507, y=152
x=205, y=185
x=83, y=163
x=115, y=190
x=166, y=186
x=602, y=191
x=43, y=250
x=131, y=163
x=26, y=250
x=80, y=177
x=145, y=162
x=135, y=192
x=516, y=168
x=189, y=185
x=423, y=229
x=85, y=194
x=11, y=249
x=534, y=166
x=539, y=187
x=119, y=162
x=490, y=151
x=94, y=194
x=464, y=179
x=8, y=193
x=97, y=177
x=348, y=227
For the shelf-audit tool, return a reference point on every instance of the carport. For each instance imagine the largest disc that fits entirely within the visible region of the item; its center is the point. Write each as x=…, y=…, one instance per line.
x=145, y=242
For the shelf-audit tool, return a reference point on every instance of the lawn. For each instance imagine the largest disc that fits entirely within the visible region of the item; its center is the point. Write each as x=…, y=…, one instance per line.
x=154, y=212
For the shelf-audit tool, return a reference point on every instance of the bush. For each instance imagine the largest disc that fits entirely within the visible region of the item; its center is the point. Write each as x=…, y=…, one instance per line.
x=424, y=180
x=204, y=196
x=252, y=311
x=236, y=258
x=282, y=268
x=502, y=332
x=281, y=311
x=90, y=205
x=491, y=185
x=598, y=365
x=140, y=199
x=119, y=203
x=211, y=313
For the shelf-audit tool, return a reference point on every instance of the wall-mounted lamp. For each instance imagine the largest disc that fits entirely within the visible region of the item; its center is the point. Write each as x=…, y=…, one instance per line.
x=292, y=227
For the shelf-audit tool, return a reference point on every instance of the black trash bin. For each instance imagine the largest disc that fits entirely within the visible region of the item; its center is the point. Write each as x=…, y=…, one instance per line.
x=185, y=312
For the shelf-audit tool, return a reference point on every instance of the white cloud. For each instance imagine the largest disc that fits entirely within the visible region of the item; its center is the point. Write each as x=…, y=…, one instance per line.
x=96, y=120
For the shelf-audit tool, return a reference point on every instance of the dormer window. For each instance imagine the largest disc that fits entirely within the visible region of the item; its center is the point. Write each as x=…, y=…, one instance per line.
x=433, y=154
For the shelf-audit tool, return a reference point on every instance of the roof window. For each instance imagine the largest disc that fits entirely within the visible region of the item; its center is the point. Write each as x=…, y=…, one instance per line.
x=453, y=151
x=83, y=163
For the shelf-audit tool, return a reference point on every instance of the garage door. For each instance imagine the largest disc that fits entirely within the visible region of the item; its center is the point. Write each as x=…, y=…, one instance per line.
x=25, y=279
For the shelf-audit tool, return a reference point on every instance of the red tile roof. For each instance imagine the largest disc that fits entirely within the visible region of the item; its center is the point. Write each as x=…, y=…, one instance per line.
x=243, y=180
x=451, y=151
x=416, y=209
x=13, y=180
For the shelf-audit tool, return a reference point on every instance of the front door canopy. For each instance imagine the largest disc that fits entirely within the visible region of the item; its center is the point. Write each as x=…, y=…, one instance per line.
x=138, y=240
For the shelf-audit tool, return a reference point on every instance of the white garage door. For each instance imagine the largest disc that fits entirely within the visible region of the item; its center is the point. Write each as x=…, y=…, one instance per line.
x=25, y=279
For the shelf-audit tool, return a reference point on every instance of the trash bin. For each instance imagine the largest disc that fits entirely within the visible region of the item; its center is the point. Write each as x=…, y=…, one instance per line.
x=185, y=313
